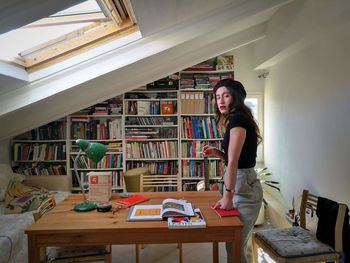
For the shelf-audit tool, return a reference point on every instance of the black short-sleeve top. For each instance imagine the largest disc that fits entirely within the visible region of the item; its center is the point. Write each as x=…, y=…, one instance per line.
x=247, y=158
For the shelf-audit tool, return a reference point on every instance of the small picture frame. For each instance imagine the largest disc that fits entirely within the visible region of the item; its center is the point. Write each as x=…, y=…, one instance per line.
x=168, y=108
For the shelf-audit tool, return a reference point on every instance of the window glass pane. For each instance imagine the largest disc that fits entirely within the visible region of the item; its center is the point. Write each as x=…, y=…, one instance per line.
x=252, y=103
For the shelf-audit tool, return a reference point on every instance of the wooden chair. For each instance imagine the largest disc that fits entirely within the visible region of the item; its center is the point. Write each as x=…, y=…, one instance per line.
x=158, y=183
x=72, y=254
x=286, y=245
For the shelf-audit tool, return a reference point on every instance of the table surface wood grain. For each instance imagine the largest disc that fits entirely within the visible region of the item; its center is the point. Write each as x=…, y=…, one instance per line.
x=64, y=227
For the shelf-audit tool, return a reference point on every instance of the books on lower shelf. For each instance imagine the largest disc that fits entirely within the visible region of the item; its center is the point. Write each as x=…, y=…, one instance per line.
x=169, y=208
x=196, y=221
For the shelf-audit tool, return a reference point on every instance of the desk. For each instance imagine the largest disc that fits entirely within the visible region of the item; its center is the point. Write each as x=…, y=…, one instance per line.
x=64, y=227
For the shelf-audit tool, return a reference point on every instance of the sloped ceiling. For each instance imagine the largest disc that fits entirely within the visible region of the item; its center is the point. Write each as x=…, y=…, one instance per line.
x=174, y=36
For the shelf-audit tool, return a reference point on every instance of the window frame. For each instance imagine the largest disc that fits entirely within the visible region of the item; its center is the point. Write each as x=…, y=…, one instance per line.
x=260, y=119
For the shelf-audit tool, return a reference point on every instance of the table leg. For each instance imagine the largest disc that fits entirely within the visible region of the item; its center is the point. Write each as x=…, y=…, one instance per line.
x=215, y=252
x=33, y=250
x=237, y=247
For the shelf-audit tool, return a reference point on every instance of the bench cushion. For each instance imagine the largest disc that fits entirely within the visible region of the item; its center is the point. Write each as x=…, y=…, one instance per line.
x=293, y=242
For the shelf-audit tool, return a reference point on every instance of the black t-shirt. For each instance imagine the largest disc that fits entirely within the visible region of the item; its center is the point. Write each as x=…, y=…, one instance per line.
x=247, y=158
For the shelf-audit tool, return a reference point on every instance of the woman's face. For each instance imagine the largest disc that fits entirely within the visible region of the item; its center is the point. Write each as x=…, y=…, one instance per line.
x=223, y=99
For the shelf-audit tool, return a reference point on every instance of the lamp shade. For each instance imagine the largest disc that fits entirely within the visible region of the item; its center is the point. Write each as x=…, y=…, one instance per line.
x=93, y=150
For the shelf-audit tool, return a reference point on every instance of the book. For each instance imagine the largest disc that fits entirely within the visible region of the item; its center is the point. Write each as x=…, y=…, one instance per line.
x=100, y=186
x=224, y=213
x=143, y=107
x=196, y=221
x=132, y=200
x=169, y=208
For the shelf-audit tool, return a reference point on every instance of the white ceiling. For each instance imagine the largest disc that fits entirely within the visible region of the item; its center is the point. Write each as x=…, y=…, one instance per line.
x=175, y=35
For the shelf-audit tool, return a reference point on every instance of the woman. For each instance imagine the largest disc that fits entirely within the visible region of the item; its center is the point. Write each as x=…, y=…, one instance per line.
x=241, y=189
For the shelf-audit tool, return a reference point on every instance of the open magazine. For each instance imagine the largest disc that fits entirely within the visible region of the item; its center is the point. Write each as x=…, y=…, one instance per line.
x=168, y=208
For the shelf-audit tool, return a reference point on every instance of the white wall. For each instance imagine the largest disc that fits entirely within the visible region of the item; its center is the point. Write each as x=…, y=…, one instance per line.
x=244, y=69
x=307, y=112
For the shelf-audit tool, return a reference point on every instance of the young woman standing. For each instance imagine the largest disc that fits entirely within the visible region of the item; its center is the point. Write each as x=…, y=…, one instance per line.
x=241, y=190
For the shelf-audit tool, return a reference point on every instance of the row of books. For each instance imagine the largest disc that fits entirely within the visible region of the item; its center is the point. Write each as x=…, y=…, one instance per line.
x=55, y=130
x=200, y=128
x=170, y=82
x=52, y=131
x=150, y=95
x=147, y=107
x=96, y=129
x=197, y=103
x=114, y=107
x=117, y=179
x=143, y=133
x=160, y=120
x=192, y=168
x=108, y=161
x=39, y=152
x=202, y=80
x=162, y=167
x=151, y=150
x=115, y=146
x=40, y=169
x=193, y=149
x=199, y=81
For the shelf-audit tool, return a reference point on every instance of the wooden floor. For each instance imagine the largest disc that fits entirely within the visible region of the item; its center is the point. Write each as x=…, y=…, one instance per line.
x=168, y=253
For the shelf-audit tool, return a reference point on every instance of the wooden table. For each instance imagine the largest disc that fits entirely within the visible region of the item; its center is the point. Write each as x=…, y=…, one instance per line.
x=64, y=227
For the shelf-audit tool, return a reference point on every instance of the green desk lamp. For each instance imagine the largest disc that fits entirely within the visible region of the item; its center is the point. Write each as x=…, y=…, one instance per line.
x=95, y=152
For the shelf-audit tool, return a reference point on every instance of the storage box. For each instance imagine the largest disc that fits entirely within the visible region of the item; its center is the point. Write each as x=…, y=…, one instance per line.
x=100, y=186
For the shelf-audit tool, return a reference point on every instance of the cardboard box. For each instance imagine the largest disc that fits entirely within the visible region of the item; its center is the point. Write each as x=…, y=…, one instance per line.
x=100, y=186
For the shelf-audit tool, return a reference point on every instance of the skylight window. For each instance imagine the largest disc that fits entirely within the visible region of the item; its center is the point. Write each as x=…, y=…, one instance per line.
x=67, y=33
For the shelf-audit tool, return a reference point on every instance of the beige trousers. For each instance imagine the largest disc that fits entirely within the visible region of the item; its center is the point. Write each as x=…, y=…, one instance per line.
x=247, y=199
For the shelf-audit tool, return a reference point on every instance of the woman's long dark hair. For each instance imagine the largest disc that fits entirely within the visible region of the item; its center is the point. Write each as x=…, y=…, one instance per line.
x=238, y=94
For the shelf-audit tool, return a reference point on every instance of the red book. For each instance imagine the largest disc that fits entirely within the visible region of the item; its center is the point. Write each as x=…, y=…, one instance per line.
x=224, y=213
x=133, y=200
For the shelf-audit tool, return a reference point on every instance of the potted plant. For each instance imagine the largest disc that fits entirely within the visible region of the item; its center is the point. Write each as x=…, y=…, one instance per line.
x=262, y=175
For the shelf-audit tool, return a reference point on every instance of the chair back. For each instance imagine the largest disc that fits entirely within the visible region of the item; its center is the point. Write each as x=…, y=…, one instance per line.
x=309, y=202
x=45, y=207
x=132, y=178
x=160, y=182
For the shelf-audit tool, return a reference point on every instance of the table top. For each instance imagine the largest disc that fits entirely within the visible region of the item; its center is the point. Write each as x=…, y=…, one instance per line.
x=62, y=219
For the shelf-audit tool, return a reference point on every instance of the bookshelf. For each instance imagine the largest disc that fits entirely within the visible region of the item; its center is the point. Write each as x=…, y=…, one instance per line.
x=198, y=126
x=41, y=151
x=101, y=123
x=151, y=127
x=162, y=125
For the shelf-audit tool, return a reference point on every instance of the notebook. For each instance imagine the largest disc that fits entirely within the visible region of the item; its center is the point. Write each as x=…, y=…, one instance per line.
x=225, y=213
x=132, y=200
